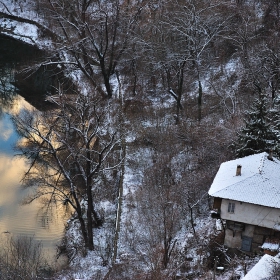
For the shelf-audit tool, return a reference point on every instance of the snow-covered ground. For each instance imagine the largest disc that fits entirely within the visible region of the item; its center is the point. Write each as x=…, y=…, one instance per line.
x=23, y=31
x=132, y=253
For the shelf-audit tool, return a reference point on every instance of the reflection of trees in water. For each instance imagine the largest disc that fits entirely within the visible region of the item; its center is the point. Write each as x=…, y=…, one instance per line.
x=45, y=218
x=7, y=89
x=14, y=56
x=51, y=213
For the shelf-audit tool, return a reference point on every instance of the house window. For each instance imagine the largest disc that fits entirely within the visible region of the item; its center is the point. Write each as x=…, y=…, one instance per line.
x=231, y=207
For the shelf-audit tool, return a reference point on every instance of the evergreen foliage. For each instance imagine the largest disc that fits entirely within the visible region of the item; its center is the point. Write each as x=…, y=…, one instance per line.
x=258, y=134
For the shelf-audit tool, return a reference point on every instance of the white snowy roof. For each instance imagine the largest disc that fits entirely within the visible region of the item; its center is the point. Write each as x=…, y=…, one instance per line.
x=270, y=246
x=259, y=182
x=263, y=269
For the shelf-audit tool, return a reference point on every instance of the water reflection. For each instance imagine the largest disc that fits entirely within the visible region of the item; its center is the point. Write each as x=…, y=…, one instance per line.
x=7, y=89
x=32, y=219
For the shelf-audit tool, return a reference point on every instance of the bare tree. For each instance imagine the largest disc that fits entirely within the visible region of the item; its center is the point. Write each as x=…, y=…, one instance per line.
x=177, y=39
x=70, y=149
x=159, y=214
x=199, y=22
x=92, y=36
x=21, y=258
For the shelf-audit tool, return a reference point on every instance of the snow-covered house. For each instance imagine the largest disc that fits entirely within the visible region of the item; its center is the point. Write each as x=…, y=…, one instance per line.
x=246, y=195
x=266, y=268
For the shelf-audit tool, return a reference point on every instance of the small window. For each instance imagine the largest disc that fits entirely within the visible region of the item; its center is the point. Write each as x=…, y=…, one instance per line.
x=231, y=207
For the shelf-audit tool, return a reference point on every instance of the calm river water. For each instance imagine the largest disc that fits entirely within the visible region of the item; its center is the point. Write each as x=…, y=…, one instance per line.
x=17, y=219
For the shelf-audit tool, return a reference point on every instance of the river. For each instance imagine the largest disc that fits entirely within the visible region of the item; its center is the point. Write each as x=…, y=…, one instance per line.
x=17, y=219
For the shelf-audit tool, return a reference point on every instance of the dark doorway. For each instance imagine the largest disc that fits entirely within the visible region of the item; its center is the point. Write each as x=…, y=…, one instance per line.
x=246, y=243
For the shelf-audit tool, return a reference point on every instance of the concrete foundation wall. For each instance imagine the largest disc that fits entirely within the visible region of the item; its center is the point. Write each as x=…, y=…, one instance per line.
x=232, y=241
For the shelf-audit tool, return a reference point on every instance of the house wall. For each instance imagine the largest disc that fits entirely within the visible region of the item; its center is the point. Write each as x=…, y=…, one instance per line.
x=258, y=223
x=251, y=214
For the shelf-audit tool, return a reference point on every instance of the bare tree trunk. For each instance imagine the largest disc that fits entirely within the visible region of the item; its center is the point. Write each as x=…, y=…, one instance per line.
x=180, y=91
x=199, y=101
x=89, y=219
x=192, y=219
x=81, y=220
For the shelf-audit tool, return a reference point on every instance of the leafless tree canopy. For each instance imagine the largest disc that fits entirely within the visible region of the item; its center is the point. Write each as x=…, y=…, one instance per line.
x=69, y=148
